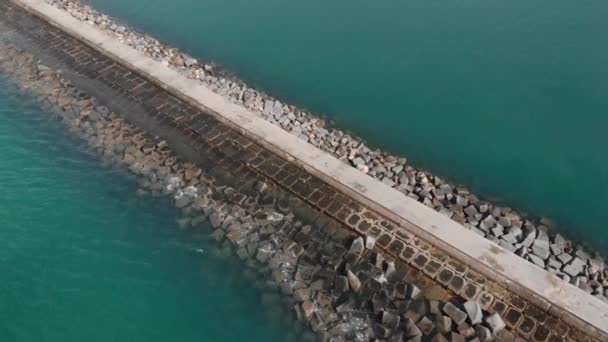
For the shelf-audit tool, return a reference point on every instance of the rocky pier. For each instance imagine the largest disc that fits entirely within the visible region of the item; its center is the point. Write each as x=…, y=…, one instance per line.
x=347, y=272
x=527, y=236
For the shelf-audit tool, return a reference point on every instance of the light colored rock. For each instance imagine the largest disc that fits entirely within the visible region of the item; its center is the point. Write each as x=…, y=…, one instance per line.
x=473, y=310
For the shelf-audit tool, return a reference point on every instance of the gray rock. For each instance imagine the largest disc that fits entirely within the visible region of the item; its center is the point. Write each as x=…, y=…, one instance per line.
x=495, y=323
x=102, y=110
x=341, y=284
x=473, y=310
x=471, y=211
x=389, y=269
x=557, y=248
x=564, y=258
x=488, y=223
x=506, y=245
x=528, y=240
x=388, y=181
x=357, y=246
x=411, y=330
x=536, y=260
x=558, y=239
x=510, y=237
x=456, y=337
x=582, y=254
x=183, y=201
x=461, y=201
x=370, y=242
x=575, y=267
x=540, y=248
x=260, y=186
x=358, y=161
x=457, y=315
x=390, y=320
x=552, y=262
x=412, y=291
x=353, y=281
x=483, y=333
x=426, y=325
x=443, y=324
x=189, y=61
x=439, y=338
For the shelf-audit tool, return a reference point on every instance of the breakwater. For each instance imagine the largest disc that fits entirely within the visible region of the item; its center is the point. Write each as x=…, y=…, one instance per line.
x=431, y=266
x=528, y=237
x=333, y=279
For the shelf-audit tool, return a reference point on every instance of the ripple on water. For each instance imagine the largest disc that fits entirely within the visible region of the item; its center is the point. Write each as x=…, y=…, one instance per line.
x=83, y=258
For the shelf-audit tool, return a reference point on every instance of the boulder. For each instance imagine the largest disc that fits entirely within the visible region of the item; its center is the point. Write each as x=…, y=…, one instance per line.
x=341, y=284
x=483, y=334
x=390, y=320
x=540, y=248
x=457, y=315
x=473, y=310
x=353, y=281
x=575, y=267
x=495, y=323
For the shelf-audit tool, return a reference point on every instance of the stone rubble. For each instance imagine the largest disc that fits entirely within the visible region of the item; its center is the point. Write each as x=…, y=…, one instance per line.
x=525, y=236
x=336, y=283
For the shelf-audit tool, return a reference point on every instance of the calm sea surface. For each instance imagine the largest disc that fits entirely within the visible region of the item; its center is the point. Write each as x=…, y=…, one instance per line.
x=84, y=259
x=508, y=97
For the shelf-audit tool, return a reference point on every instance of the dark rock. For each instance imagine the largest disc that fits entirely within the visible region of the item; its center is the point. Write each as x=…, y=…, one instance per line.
x=341, y=284
x=411, y=330
x=457, y=315
x=412, y=291
x=483, y=333
x=443, y=323
x=426, y=325
x=390, y=320
x=260, y=186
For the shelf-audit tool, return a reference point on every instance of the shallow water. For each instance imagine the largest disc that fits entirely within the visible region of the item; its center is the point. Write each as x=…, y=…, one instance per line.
x=508, y=97
x=85, y=259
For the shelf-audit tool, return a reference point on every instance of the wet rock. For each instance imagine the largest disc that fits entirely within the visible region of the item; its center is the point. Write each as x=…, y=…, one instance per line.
x=183, y=201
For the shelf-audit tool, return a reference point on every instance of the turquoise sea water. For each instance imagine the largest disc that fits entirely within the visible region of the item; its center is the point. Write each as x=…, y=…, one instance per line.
x=508, y=97
x=84, y=259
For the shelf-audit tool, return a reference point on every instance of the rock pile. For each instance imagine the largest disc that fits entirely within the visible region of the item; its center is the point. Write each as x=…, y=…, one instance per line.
x=336, y=282
x=512, y=230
